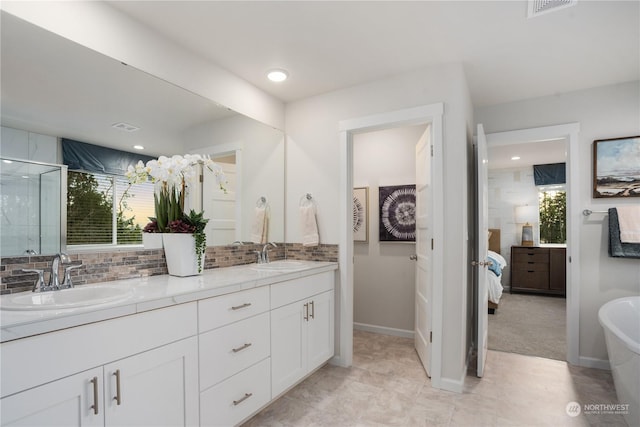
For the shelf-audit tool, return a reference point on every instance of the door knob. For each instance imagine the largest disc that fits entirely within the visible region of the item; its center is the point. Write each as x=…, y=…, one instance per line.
x=481, y=263
x=413, y=257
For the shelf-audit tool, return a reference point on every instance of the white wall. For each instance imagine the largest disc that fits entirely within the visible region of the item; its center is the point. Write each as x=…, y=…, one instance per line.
x=509, y=188
x=92, y=24
x=603, y=112
x=384, y=276
x=261, y=168
x=313, y=165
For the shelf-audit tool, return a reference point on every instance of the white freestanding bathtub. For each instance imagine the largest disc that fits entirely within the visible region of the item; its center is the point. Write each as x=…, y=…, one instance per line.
x=620, y=319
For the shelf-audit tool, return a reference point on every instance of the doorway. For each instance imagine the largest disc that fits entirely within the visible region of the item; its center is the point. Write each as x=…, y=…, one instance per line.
x=568, y=136
x=431, y=114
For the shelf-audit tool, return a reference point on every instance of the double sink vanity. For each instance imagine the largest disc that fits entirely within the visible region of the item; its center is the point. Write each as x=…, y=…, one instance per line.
x=207, y=350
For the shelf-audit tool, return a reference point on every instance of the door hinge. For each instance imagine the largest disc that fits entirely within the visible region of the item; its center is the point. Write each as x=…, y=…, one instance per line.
x=201, y=178
x=432, y=151
x=430, y=336
x=431, y=244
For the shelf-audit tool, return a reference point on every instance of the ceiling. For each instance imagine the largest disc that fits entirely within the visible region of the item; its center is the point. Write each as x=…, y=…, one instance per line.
x=529, y=153
x=326, y=45
x=53, y=86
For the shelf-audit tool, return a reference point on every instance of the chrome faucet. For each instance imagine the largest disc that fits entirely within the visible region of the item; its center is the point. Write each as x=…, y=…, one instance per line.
x=54, y=278
x=265, y=252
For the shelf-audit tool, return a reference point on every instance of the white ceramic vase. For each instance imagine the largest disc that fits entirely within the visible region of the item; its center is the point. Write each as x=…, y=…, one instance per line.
x=180, y=253
x=152, y=240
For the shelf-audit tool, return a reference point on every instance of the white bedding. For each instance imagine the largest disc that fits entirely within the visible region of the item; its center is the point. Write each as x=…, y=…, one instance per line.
x=494, y=283
x=495, y=287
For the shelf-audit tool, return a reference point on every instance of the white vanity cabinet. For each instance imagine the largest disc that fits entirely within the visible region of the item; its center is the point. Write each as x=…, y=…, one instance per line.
x=138, y=373
x=234, y=356
x=302, y=328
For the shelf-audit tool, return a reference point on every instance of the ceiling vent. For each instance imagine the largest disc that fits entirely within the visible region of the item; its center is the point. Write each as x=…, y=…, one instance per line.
x=125, y=127
x=540, y=7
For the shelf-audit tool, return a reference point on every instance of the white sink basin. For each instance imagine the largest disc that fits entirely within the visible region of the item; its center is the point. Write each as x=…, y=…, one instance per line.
x=280, y=266
x=66, y=298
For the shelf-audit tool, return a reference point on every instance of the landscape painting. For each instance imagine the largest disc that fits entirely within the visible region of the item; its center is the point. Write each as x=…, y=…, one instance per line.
x=616, y=167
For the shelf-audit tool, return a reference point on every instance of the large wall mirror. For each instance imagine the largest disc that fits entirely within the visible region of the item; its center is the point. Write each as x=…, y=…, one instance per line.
x=53, y=86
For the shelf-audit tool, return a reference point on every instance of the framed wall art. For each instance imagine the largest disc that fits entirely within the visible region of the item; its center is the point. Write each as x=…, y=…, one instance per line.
x=616, y=167
x=397, y=213
x=361, y=214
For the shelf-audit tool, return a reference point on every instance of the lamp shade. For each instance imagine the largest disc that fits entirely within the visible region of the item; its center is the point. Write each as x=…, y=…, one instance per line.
x=526, y=214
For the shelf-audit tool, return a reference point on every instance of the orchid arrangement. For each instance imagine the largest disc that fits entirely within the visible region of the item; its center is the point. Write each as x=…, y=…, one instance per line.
x=171, y=177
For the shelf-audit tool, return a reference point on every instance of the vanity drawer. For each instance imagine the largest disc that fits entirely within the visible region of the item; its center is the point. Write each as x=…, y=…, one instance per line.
x=219, y=311
x=238, y=397
x=298, y=289
x=232, y=348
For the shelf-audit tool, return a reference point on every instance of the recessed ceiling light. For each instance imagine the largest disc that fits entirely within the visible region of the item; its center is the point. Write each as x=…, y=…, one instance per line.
x=277, y=75
x=515, y=158
x=138, y=147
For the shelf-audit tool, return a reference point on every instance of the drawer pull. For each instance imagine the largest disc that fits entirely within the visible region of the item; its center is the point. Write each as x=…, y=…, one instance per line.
x=238, y=307
x=117, y=397
x=247, y=345
x=530, y=271
x=94, y=381
x=245, y=397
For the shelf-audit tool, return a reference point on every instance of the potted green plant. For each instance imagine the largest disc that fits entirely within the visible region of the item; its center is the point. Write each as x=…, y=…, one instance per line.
x=172, y=177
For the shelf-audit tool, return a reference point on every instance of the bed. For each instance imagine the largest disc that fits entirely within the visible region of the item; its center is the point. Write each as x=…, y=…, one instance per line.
x=494, y=275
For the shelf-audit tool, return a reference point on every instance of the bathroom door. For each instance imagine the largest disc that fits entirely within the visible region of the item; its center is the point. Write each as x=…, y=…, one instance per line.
x=481, y=249
x=423, y=256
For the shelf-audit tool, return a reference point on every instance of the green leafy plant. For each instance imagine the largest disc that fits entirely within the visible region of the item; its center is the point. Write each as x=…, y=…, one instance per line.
x=198, y=222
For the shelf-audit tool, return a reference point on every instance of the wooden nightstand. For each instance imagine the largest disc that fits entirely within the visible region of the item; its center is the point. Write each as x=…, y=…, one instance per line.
x=538, y=270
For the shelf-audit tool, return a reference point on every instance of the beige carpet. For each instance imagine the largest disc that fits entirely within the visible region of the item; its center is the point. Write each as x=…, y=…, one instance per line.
x=529, y=324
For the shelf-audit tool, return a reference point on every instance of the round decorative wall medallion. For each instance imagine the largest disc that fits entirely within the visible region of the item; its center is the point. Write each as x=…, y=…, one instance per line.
x=398, y=213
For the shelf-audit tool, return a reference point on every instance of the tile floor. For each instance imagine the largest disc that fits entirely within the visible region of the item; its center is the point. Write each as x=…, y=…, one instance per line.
x=386, y=386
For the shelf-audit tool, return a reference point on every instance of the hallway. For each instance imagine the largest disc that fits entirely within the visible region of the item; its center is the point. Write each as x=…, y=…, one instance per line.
x=386, y=386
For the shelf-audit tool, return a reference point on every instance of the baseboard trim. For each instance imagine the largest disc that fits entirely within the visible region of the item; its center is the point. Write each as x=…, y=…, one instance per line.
x=449, y=384
x=590, y=362
x=383, y=330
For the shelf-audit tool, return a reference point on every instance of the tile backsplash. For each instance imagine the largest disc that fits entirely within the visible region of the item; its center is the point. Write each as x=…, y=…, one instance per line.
x=125, y=264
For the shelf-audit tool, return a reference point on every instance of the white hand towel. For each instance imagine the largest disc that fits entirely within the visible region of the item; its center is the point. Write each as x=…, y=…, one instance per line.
x=309, y=226
x=259, y=226
x=629, y=220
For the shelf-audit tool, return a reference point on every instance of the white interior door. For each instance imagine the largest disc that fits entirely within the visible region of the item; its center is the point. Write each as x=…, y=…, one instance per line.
x=482, y=247
x=424, y=235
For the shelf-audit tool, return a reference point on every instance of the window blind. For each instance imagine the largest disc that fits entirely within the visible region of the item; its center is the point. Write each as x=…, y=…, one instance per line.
x=549, y=174
x=94, y=158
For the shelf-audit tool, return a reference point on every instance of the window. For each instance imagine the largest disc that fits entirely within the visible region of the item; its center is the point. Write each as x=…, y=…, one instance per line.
x=105, y=210
x=553, y=215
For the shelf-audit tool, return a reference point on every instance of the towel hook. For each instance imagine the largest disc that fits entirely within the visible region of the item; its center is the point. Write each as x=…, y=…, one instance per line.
x=261, y=202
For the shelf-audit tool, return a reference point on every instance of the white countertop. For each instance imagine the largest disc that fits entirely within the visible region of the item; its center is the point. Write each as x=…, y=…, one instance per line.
x=149, y=293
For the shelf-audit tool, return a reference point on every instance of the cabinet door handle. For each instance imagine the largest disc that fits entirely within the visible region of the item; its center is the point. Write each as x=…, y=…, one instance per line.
x=117, y=397
x=313, y=310
x=235, y=350
x=94, y=381
x=242, y=399
x=306, y=311
x=238, y=307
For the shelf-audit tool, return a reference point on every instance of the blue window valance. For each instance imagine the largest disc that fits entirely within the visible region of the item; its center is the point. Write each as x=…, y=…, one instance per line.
x=94, y=158
x=553, y=173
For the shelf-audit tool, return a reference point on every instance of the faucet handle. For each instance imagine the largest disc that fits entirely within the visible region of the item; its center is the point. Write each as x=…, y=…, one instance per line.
x=39, y=283
x=67, y=283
